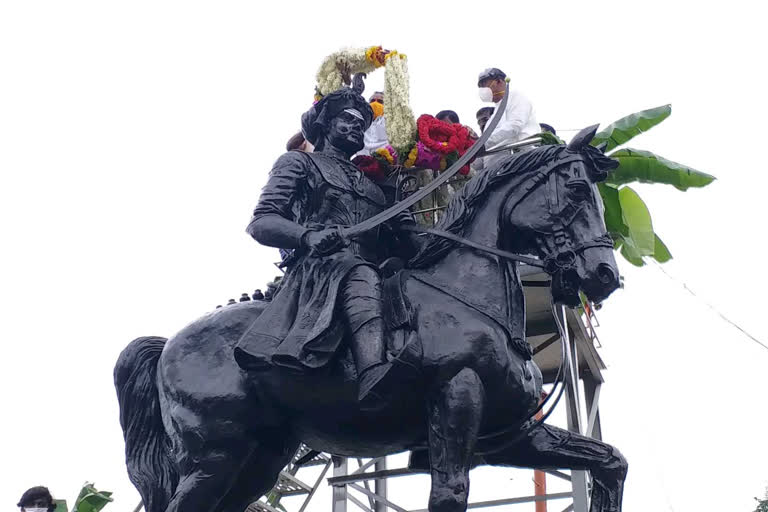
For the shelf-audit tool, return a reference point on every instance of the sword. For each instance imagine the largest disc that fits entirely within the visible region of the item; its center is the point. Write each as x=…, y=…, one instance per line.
x=510, y=147
x=414, y=198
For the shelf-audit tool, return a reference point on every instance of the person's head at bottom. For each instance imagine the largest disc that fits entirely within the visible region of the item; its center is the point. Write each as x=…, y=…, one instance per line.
x=37, y=499
x=448, y=116
x=483, y=115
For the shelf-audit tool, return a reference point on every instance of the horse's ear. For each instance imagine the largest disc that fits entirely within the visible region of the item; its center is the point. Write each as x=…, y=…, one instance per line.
x=602, y=146
x=583, y=138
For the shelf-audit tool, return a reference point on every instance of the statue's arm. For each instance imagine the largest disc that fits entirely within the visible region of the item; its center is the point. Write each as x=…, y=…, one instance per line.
x=408, y=242
x=274, y=222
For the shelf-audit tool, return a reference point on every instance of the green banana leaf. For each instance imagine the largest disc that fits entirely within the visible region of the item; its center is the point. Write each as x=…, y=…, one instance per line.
x=549, y=139
x=61, y=506
x=637, y=218
x=612, y=210
x=630, y=252
x=660, y=251
x=91, y=500
x=623, y=130
x=645, y=167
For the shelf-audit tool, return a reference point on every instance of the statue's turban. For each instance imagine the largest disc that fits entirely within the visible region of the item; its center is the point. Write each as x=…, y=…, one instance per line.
x=316, y=121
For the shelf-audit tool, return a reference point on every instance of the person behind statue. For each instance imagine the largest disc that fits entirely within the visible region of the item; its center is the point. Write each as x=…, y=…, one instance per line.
x=376, y=135
x=37, y=499
x=451, y=117
x=447, y=116
x=332, y=288
x=299, y=143
x=455, y=184
x=483, y=115
x=518, y=121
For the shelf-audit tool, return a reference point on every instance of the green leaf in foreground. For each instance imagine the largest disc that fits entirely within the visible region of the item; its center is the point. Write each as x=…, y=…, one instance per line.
x=660, y=251
x=623, y=130
x=612, y=210
x=91, y=500
x=645, y=167
x=637, y=218
x=630, y=253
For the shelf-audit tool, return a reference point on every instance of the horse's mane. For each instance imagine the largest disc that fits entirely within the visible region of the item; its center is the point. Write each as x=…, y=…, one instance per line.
x=465, y=202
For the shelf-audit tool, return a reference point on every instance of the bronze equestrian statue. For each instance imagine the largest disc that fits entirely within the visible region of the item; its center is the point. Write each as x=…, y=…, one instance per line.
x=432, y=358
x=332, y=289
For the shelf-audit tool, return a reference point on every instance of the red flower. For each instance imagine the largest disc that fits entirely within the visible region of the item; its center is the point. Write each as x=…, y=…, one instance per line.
x=442, y=137
x=371, y=167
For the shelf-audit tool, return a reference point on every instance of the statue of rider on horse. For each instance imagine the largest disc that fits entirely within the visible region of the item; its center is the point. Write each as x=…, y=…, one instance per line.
x=332, y=286
x=211, y=415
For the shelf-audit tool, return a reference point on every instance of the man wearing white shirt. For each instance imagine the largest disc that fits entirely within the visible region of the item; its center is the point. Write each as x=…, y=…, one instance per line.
x=518, y=121
x=375, y=136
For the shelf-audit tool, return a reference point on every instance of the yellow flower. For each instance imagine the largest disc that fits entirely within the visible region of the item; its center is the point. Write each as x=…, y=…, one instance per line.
x=384, y=153
x=412, y=156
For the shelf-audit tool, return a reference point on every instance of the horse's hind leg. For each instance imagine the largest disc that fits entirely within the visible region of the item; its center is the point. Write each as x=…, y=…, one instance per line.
x=548, y=447
x=258, y=475
x=455, y=413
x=207, y=476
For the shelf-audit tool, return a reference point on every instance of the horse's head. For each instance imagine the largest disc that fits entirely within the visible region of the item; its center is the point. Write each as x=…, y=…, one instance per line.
x=557, y=213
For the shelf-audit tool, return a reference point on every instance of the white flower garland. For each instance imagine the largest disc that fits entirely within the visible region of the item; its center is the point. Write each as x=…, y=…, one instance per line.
x=401, y=124
x=337, y=68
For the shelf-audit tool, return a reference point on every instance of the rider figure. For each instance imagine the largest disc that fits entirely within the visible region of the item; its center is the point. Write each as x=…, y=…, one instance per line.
x=332, y=287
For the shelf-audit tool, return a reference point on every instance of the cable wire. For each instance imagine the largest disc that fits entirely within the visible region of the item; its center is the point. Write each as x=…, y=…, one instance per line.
x=710, y=306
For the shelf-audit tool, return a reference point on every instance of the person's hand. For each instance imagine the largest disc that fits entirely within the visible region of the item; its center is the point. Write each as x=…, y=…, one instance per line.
x=324, y=242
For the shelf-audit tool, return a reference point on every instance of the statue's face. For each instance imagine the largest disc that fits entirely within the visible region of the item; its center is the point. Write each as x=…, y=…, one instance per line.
x=346, y=133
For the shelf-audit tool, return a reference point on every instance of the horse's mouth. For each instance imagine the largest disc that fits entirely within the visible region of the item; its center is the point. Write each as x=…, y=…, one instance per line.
x=565, y=288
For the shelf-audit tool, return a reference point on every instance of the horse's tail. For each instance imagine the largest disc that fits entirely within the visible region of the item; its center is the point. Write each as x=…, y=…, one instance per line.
x=150, y=467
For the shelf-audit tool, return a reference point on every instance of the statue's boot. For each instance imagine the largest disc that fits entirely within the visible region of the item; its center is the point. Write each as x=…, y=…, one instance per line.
x=379, y=380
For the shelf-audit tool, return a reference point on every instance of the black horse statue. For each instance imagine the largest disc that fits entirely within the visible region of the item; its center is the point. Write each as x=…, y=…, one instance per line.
x=204, y=435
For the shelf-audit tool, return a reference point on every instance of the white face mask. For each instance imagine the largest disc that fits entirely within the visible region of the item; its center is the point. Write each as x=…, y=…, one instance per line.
x=35, y=509
x=486, y=94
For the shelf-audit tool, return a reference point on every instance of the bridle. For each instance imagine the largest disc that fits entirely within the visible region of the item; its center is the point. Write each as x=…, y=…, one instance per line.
x=562, y=258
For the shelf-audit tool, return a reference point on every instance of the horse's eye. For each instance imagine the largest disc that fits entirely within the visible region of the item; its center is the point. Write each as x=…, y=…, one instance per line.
x=579, y=190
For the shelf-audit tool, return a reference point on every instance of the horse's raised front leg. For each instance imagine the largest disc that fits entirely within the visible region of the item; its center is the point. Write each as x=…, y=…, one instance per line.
x=455, y=412
x=548, y=447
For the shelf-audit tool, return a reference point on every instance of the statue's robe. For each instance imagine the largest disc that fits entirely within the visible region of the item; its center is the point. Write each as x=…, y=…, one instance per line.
x=301, y=328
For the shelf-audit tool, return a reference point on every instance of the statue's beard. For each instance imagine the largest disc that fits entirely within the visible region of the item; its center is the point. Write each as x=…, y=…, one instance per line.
x=348, y=145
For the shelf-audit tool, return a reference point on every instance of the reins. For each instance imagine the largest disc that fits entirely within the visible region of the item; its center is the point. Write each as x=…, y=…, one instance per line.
x=528, y=260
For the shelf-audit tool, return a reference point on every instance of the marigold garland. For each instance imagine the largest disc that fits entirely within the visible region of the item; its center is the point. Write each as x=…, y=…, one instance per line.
x=387, y=155
x=413, y=155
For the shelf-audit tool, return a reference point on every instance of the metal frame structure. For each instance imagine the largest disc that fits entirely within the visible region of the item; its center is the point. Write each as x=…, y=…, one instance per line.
x=354, y=485
x=289, y=483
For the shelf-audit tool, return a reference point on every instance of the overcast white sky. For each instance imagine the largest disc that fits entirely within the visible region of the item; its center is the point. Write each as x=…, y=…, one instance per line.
x=135, y=136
